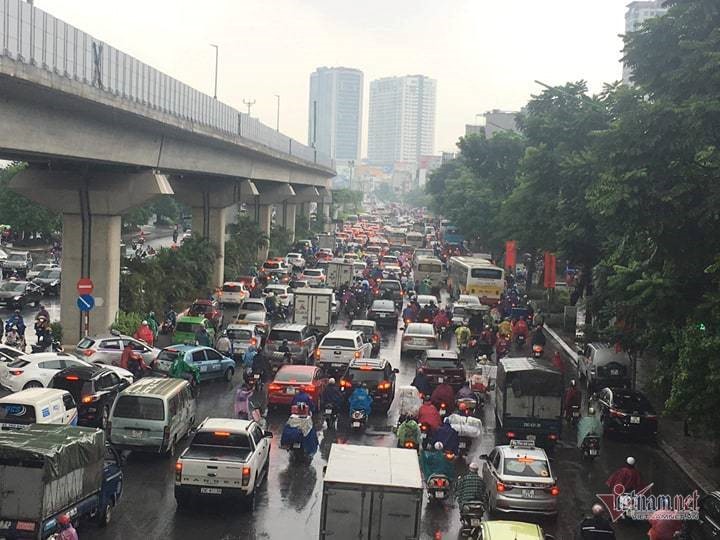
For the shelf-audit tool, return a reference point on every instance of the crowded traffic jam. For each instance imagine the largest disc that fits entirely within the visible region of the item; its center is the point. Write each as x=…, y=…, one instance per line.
x=418, y=375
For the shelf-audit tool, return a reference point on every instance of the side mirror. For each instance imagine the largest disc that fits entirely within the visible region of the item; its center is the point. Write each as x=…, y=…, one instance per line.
x=268, y=434
x=402, y=328
x=124, y=383
x=483, y=456
x=396, y=370
x=491, y=386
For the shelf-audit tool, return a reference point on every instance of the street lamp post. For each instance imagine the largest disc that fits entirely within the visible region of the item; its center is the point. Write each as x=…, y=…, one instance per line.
x=277, y=123
x=217, y=51
x=249, y=103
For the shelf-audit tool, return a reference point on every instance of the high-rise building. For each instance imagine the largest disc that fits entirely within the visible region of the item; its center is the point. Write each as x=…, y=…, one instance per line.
x=401, y=123
x=335, y=112
x=499, y=121
x=636, y=14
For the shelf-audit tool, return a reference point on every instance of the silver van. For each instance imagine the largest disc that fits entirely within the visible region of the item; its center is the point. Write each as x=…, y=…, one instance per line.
x=602, y=366
x=152, y=415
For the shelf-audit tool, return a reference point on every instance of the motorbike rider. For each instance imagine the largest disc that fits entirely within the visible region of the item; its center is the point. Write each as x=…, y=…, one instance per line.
x=132, y=360
x=573, y=398
x=462, y=334
x=470, y=486
x=13, y=338
x=429, y=415
x=426, y=314
x=245, y=404
x=596, y=527
x=42, y=313
x=422, y=383
x=361, y=400
x=332, y=394
x=408, y=314
x=202, y=337
x=409, y=429
x=441, y=320
x=505, y=329
x=476, y=321
x=626, y=476
x=589, y=425
x=223, y=344
x=44, y=341
x=538, y=337
x=143, y=333
x=520, y=328
x=180, y=369
x=67, y=531
x=443, y=393
x=16, y=320
x=557, y=362
x=248, y=360
x=285, y=349
x=465, y=392
x=171, y=316
x=304, y=397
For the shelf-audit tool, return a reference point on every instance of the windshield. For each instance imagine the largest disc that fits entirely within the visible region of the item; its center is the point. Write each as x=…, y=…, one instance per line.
x=12, y=286
x=49, y=274
x=222, y=439
x=459, y=310
x=486, y=273
x=232, y=288
x=253, y=306
x=140, y=407
x=77, y=387
x=367, y=330
x=365, y=375
x=430, y=268
x=187, y=327
x=422, y=329
x=293, y=376
x=526, y=466
x=313, y=272
x=338, y=342
x=389, y=285
x=16, y=257
x=281, y=335
x=169, y=355
x=239, y=335
x=442, y=363
x=632, y=402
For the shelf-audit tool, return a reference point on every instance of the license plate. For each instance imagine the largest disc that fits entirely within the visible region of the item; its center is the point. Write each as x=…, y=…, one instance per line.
x=442, y=412
x=530, y=437
x=593, y=452
x=337, y=365
x=256, y=376
x=528, y=493
x=382, y=315
x=136, y=434
x=474, y=522
x=576, y=414
x=439, y=494
x=328, y=411
x=211, y=491
x=296, y=445
x=462, y=444
x=424, y=436
x=290, y=391
x=337, y=352
x=356, y=424
x=203, y=368
x=614, y=372
x=634, y=419
x=441, y=380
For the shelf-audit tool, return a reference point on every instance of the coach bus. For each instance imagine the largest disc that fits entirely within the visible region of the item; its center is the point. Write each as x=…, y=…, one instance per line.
x=475, y=276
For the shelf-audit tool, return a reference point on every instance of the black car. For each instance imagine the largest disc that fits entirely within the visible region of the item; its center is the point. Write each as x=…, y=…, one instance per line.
x=18, y=294
x=442, y=366
x=384, y=313
x=627, y=412
x=390, y=288
x=94, y=389
x=49, y=281
x=377, y=374
x=708, y=524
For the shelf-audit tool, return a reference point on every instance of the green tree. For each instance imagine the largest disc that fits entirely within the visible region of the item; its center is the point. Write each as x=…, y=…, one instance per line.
x=23, y=215
x=241, y=248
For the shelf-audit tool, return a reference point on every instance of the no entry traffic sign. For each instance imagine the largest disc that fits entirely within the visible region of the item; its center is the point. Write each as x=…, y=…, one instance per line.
x=85, y=286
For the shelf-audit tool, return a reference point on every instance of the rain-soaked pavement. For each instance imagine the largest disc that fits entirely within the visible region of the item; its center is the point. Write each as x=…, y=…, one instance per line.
x=288, y=503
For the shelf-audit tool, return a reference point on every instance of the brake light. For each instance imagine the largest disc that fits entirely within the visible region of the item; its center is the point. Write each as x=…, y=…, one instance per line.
x=510, y=434
x=310, y=389
x=274, y=387
x=221, y=434
x=440, y=482
x=376, y=338
x=16, y=372
x=501, y=488
x=317, y=353
x=253, y=342
x=553, y=437
x=617, y=414
x=89, y=399
x=245, y=476
x=443, y=406
x=384, y=385
x=423, y=427
x=357, y=354
x=88, y=352
x=72, y=378
x=345, y=384
x=178, y=471
x=554, y=491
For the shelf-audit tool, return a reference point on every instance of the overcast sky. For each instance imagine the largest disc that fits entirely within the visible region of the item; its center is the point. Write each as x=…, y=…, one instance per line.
x=484, y=54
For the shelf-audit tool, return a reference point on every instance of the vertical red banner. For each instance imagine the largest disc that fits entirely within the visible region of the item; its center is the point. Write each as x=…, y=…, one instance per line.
x=550, y=270
x=510, y=255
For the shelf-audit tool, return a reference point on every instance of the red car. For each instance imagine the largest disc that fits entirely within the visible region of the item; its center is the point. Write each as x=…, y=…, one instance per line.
x=290, y=380
x=210, y=309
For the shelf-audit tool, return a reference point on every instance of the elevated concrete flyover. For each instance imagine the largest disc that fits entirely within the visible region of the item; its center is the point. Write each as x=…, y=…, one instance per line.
x=104, y=132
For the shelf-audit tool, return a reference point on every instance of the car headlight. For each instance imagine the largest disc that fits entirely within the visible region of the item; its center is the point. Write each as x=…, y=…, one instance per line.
x=16, y=298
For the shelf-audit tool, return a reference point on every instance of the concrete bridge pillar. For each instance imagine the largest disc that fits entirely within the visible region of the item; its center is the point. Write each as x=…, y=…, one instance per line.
x=304, y=196
x=91, y=205
x=210, y=200
x=289, y=213
x=269, y=194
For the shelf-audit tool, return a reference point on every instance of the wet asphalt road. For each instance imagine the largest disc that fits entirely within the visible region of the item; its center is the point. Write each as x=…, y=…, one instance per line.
x=288, y=503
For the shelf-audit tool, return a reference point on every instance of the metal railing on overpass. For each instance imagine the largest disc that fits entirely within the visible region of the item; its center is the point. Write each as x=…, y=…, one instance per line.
x=31, y=36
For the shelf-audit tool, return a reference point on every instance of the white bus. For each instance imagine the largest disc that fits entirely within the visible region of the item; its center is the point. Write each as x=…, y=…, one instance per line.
x=395, y=235
x=431, y=268
x=414, y=239
x=475, y=276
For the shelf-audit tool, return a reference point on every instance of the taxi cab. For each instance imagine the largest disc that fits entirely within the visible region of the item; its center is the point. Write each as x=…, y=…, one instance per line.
x=519, y=479
x=511, y=530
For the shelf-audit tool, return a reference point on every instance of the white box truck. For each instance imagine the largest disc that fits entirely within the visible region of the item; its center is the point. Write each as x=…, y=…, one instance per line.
x=313, y=307
x=338, y=273
x=326, y=241
x=371, y=493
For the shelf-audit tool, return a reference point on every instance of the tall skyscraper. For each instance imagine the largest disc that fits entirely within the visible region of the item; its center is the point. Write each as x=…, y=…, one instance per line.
x=401, y=124
x=636, y=14
x=336, y=98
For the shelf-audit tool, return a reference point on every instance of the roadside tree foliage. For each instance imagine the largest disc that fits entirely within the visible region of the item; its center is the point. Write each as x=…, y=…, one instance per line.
x=625, y=185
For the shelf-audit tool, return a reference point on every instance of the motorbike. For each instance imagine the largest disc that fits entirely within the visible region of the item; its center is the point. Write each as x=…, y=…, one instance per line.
x=537, y=351
x=466, y=406
x=424, y=432
x=443, y=410
x=167, y=328
x=330, y=415
x=55, y=346
x=438, y=487
x=464, y=445
x=520, y=341
x=590, y=446
x=574, y=414
x=444, y=333
x=358, y=419
x=471, y=515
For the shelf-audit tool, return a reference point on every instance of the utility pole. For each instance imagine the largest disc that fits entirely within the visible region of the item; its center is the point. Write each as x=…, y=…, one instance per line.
x=351, y=163
x=217, y=50
x=277, y=124
x=249, y=103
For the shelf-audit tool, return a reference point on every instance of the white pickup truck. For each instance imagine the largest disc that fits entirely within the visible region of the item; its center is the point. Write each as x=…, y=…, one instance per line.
x=227, y=458
x=339, y=347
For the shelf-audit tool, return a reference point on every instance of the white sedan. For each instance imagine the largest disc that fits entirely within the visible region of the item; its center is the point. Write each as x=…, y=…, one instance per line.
x=295, y=260
x=418, y=337
x=36, y=370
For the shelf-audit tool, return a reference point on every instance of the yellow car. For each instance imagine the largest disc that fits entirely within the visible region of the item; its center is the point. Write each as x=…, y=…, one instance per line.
x=511, y=530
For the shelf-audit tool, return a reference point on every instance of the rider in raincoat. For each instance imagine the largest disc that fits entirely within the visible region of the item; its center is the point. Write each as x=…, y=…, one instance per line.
x=409, y=430
x=587, y=425
x=360, y=400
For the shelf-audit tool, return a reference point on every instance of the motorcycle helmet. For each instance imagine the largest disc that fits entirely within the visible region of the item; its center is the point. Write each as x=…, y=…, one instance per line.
x=439, y=446
x=473, y=466
x=331, y=380
x=630, y=461
x=63, y=519
x=591, y=411
x=573, y=382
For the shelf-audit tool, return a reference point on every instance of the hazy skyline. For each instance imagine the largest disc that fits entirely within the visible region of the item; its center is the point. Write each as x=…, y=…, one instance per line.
x=484, y=54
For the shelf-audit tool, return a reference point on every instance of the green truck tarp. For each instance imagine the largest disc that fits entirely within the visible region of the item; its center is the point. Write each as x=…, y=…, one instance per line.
x=46, y=468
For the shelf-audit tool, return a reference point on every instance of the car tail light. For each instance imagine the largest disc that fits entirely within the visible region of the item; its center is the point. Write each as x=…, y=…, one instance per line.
x=554, y=491
x=15, y=371
x=166, y=435
x=72, y=378
x=178, y=471
x=357, y=354
x=253, y=342
x=309, y=388
x=317, y=354
x=245, y=476
x=553, y=437
x=384, y=385
x=89, y=399
x=274, y=387
x=617, y=414
x=651, y=417
x=502, y=488
x=510, y=434
x=345, y=384
x=88, y=352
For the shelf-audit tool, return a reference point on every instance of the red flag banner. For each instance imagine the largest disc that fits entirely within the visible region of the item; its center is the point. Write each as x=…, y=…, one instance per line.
x=550, y=270
x=510, y=254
